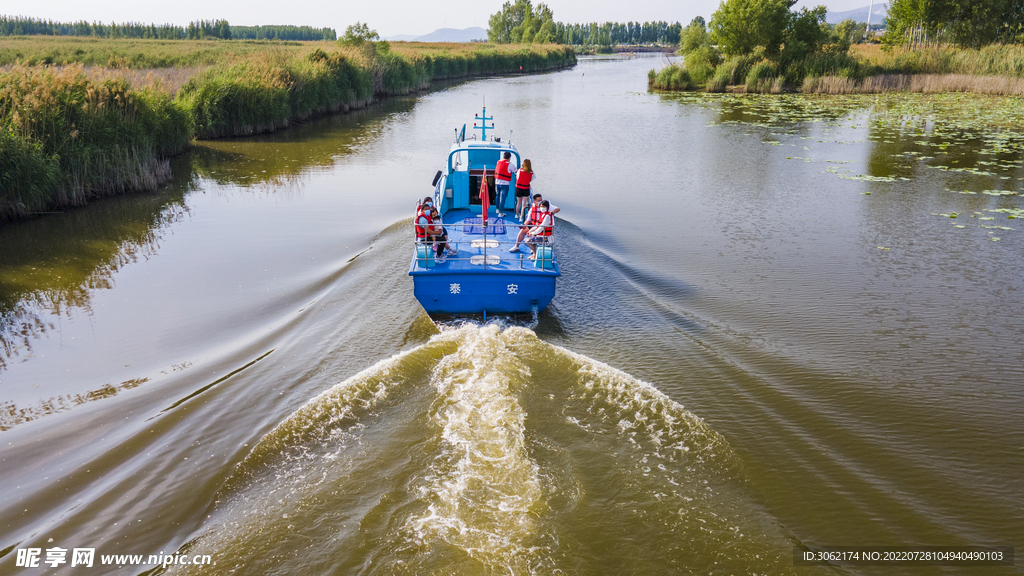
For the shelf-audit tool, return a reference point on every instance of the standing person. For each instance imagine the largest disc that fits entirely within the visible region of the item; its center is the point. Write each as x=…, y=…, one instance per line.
x=532, y=219
x=523, y=179
x=503, y=179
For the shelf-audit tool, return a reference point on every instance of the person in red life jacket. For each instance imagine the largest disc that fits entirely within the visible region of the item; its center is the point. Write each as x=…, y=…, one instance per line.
x=429, y=229
x=524, y=177
x=422, y=219
x=438, y=235
x=541, y=233
x=532, y=219
x=503, y=179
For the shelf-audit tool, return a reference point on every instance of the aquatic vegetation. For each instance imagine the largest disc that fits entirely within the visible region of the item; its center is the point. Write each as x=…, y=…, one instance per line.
x=975, y=141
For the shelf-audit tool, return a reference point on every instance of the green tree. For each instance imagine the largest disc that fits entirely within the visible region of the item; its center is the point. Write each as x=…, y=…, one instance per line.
x=357, y=34
x=970, y=23
x=526, y=30
x=523, y=23
x=973, y=23
x=546, y=34
x=741, y=26
x=904, y=17
x=693, y=37
x=806, y=33
x=505, y=26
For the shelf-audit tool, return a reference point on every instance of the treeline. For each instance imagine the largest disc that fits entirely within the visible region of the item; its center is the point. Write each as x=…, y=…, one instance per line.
x=19, y=26
x=301, y=33
x=208, y=29
x=619, y=33
x=523, y=23
x=966, y=23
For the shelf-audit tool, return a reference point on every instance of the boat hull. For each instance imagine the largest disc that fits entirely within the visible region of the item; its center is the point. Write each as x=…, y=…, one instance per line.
x=492, y=293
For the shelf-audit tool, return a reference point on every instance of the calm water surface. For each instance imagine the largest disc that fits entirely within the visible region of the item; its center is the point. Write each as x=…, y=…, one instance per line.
x=236, y=366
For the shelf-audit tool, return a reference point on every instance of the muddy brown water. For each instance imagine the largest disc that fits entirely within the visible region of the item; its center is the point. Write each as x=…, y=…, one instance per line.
x=782, y=320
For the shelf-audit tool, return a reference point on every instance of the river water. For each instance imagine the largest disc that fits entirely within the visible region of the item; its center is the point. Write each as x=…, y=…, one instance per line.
x=782, y=320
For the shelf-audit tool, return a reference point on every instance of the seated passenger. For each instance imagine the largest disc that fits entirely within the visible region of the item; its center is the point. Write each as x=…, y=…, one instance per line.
x=541, y=233
x=422, y=219
x=438, y=234
x=532, y=220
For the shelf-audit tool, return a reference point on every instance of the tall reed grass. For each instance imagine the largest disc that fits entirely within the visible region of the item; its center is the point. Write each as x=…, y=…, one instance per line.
x=65, y=138
x=993, y=69
x=924, y=83
x=994, y=60
x=266, y=91
x=68, y=132
x=673, y=77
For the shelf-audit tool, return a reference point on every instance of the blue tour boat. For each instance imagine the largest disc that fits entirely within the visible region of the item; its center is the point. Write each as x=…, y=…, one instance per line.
x=483, y=277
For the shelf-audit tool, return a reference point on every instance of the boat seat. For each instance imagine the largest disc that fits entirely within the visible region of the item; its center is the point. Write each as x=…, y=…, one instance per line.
x=424, y=255
x=543, y=259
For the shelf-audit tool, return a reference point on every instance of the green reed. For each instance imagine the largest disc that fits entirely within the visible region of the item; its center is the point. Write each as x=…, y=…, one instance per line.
x=66, y=138
x=863, y=70
x=68, y=133
x=266, y=91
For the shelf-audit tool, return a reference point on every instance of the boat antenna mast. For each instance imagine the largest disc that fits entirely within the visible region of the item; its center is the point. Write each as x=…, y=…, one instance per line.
x=483, y=128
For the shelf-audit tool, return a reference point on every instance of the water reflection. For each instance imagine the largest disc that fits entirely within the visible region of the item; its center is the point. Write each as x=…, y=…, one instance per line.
x=53, y=265
x=279, y=161
x=975, y=141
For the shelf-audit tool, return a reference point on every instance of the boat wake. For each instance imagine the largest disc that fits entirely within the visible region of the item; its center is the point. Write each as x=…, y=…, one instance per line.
x=489, y=451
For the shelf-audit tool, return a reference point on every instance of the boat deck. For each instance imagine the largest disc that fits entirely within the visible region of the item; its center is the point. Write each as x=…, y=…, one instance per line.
x=467, y=235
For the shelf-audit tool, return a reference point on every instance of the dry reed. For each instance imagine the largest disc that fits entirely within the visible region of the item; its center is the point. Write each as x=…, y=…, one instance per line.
x=923, y=83
x=166, y=80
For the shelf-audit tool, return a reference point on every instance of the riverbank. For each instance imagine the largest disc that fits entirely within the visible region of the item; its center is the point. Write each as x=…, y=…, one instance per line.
x=69, y=133
x=864, y=69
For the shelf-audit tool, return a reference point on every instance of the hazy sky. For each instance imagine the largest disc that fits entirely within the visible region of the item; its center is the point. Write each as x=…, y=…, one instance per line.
x=388, y=17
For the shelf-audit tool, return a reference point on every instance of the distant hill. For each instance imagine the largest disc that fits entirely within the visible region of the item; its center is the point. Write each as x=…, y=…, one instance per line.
x=878, y=13
x=448, y=35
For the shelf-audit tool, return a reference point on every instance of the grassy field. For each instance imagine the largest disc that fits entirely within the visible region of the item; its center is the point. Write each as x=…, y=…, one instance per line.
x=135, y=53
x=83, y=117
x=997, y=69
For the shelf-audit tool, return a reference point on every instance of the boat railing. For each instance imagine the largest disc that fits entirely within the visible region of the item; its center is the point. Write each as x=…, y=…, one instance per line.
x=485, y=245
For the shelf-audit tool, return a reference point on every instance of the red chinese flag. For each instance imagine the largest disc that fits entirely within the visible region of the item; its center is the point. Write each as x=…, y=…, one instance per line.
x=485, y=196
